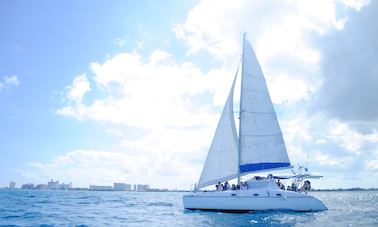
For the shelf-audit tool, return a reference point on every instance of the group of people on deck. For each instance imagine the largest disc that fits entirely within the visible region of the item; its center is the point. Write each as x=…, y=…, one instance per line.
x=226, y=186
x=244, y=186
x=306, y=186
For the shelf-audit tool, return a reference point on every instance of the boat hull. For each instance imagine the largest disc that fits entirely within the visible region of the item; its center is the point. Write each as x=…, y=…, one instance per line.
x=239, y=201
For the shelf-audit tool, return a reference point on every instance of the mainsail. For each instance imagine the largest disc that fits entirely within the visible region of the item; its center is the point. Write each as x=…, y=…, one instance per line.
x=221, y=162
x=261, y=144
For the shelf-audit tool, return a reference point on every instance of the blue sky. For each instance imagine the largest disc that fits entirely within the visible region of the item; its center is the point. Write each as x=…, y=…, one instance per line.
x=93, y=93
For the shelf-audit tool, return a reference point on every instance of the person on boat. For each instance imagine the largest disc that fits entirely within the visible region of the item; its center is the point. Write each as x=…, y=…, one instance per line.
x=306, y=186
x=309, y=185
x=293, y=187
x=226, y=186
x=233, y=187
x=219, y=186
x=243, y=185
x=280, y=185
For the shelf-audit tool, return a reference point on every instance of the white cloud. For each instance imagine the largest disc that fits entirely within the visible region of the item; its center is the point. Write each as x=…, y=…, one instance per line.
x=372, y=165
x=9, y=82
x=159, y=56
x=120, y=42
x=327, y=160
x=348, y=138
x=277, y=30
x=321, y=141
x=79, y=87
x=274, y=27
x=150, y=95
x=356, y=4
x=297, y=137
x=286, y=88
x=327, y=144
x=114, y=132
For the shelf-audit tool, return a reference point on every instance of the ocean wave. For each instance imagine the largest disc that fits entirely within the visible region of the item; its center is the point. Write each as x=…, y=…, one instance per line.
x=163, y=204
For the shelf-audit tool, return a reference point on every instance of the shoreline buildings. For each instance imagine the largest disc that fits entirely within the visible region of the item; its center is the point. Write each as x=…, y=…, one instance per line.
x=100, y=188
x=12, y=185
x=141, y=187
x=121, y=187
x=117, y=186
x=54, y=185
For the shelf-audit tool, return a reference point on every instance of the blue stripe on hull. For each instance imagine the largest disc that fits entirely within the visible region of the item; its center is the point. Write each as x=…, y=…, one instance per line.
x=262, y=166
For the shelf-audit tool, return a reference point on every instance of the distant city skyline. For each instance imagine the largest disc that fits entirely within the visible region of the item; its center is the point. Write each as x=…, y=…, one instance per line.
x=131, y=91
x=117, y=186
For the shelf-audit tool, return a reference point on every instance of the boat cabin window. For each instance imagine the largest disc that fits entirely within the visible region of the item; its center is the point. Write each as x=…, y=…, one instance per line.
x=255, y=194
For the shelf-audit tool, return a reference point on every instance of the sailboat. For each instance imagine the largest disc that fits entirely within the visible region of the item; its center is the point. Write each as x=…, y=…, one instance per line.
x=258, y=147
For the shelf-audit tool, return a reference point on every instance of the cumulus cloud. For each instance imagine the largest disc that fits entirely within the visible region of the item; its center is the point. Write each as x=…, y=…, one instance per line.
x=348, y=138
x=79, y=87
x=331, y=148
x=149, y=95
x=350, y=69
x=279, y=33
x=328, y=160
x=159, y=56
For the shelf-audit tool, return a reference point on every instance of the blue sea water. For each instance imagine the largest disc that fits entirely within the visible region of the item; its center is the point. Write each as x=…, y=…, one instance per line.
x=89, y=208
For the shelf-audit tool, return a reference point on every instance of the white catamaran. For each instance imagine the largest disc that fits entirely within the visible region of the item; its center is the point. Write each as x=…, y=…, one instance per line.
x=259, y=147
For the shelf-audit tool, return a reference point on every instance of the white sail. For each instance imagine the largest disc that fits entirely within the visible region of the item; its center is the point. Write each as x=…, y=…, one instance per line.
x=221, y=162
x=261, y=143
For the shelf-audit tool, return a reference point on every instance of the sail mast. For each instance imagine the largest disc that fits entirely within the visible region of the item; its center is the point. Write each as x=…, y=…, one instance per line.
x=240, y=110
